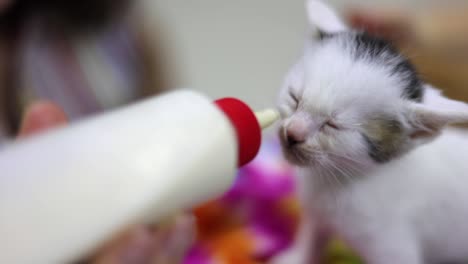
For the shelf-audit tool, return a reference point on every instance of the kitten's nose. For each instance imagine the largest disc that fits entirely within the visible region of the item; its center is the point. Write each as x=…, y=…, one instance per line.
x=296, y=133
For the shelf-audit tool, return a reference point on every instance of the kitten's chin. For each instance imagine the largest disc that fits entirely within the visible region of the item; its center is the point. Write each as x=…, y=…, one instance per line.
x=298, y=158
x=298, y=163
x=299, y=154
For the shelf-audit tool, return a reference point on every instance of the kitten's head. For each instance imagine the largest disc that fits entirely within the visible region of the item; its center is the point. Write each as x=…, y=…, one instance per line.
x=353, y=101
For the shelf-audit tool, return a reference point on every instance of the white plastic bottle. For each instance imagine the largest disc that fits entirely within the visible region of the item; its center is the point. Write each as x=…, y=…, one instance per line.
x=65, y=192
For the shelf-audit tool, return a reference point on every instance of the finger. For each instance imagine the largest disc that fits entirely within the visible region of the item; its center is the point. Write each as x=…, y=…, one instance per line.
x=390, y=24
x=173, y=242
x=135, y=246
x=364, y=20
x=41, y=116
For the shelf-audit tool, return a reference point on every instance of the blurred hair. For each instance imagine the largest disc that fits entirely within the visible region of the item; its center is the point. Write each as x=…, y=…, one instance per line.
x=68, y=15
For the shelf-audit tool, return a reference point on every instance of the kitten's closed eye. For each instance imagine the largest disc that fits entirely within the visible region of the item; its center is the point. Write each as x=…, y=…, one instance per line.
x=294, y=97
x=290, y=103
x=331, y=124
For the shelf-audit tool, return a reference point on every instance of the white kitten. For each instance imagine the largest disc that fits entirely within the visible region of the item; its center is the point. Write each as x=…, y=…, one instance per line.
x=379, y=168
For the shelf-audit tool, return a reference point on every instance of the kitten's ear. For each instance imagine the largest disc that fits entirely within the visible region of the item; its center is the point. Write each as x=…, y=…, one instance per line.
x=427, y=119
x=322, y=17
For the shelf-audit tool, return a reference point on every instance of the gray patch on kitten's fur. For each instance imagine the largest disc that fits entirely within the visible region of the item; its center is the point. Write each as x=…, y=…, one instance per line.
x=364, y=46
x=385, y=138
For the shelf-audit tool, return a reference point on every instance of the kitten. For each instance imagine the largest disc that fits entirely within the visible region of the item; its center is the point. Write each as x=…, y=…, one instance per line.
x=378, y=166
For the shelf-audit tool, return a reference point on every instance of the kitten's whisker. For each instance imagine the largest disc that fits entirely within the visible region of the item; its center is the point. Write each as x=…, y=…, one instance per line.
x=347, y=158
x=340, y=171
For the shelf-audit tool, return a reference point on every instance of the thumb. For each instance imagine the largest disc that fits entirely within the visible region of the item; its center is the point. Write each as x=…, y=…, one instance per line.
x=41, y=116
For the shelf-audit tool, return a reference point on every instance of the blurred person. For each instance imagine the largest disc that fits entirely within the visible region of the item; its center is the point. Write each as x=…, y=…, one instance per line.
x=434, y=38
x=86, y=56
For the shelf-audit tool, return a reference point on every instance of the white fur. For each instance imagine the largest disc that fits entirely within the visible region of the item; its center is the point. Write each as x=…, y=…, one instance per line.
x=324, y=18
x=413, y=210
x=410, y=210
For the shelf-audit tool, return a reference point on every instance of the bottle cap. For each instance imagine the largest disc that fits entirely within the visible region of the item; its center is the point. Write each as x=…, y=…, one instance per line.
x=248, y=126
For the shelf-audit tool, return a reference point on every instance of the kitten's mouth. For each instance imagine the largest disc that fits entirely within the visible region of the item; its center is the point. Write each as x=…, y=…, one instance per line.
x=297, y=155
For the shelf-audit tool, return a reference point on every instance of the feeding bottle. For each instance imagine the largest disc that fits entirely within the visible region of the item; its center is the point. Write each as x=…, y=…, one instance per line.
x=65, y=192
